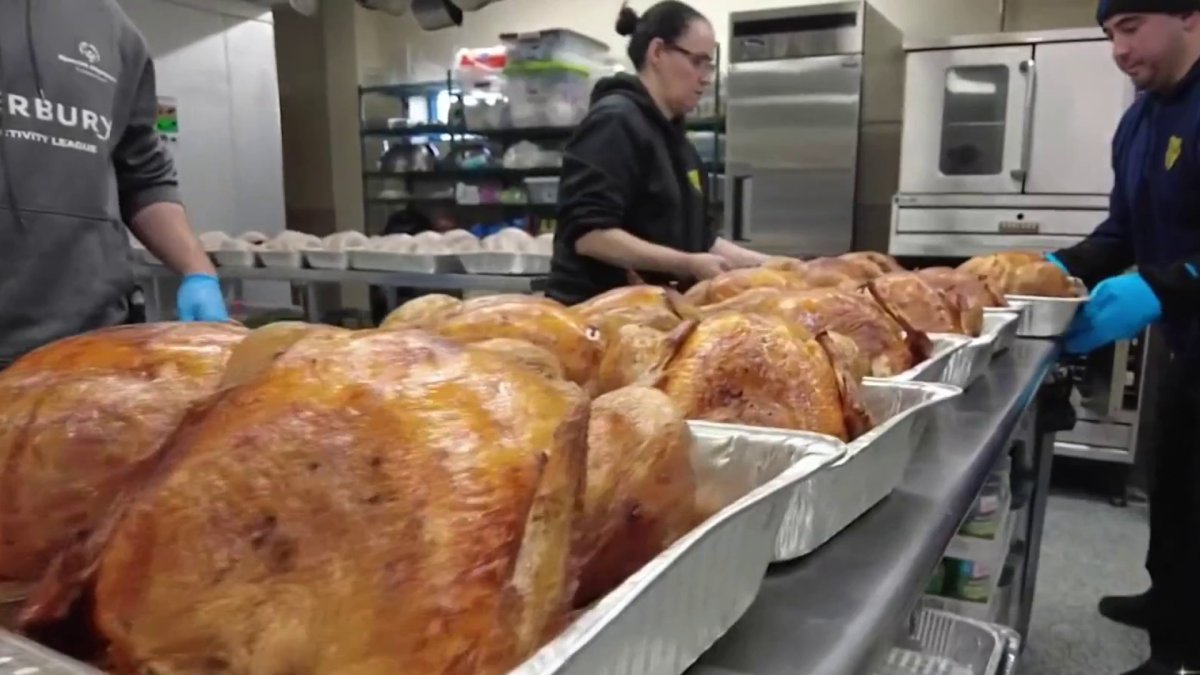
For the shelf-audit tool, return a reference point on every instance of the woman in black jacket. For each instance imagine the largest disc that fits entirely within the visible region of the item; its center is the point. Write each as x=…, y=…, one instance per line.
x=632, y=192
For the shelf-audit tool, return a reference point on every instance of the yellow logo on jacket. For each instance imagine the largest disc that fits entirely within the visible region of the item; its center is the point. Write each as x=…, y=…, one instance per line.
x=1174, y=149
x=694, y=179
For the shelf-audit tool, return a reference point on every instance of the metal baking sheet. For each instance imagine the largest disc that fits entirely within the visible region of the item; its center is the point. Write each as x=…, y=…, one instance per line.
x=1048, y=317
x=873, y=465
x=667, y=614
x=417, y=263
x=495, y=262
x=19, y=656
x=969, y=363
x=931, y=369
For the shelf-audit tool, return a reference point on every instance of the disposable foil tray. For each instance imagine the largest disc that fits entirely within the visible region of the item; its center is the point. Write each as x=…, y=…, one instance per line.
x=667, y=614
x=945, y=644
x=495, y=262
x=971, y=361
x=872, y=467
x=418, y=263
x=932, y=368
x=12, y=596
x=1048, y=317
x=19, y=656
x=1008, y=331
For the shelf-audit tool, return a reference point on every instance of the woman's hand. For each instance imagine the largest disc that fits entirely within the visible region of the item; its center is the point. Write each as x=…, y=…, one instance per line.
x=706, y=265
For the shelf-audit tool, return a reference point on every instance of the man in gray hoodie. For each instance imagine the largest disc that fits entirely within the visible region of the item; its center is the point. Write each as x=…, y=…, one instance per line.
x=81, y=160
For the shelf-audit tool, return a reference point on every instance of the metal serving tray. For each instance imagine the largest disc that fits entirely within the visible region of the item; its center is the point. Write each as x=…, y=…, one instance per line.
x=418, y=263
x=494, y=262
x=12, y=596
x=667, y=614
x=932, y=368
x=1048, y=317
x=971, y=361
x=1006, y=336
x=872, y=467
x=19, y=656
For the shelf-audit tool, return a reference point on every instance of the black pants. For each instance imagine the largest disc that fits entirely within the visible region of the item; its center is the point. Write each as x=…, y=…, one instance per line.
x=1174, y=557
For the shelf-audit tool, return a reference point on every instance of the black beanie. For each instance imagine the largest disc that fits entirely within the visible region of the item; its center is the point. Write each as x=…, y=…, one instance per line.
x=1110, y=8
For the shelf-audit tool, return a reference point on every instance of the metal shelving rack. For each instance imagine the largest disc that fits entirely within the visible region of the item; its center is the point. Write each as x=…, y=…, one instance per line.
x=459, y=136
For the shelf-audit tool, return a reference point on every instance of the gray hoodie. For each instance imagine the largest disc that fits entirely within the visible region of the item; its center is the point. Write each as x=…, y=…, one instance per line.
x=79, y=156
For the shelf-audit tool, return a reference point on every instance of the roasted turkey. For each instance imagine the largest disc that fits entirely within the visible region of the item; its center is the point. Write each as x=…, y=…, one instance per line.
x=975, y=289
x=641, y=488
x=1021, y=273
x=422, y=312
x=762, y=371
x=885, y=346
x=375, y=502
x=644, y=305
x=525, y=353
x=578, y=345
x=785, y=264
x=836, y=273
x=919, y=306
x=79, y=418
x=872, y=262
x=638, y=355
x=735, y=282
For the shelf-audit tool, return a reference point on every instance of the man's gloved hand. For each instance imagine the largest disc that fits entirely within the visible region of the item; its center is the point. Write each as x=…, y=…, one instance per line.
x=1050, y=257
x=200, y=299
x=1119, y=309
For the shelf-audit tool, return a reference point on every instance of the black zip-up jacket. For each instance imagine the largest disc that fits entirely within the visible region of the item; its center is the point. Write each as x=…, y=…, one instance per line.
x=627, y=167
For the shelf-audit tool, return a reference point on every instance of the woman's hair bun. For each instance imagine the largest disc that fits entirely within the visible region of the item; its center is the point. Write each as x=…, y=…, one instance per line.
x=627, y=21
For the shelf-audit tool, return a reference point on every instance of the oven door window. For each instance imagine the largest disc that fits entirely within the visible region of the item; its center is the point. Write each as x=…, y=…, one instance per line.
x=973, y=120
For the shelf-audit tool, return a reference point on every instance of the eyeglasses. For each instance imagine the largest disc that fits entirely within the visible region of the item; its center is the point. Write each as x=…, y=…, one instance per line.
x=701, y=62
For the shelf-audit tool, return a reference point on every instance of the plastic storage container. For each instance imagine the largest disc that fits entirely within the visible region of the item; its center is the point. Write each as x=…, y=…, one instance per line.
x=944, y=644
x=542, y=190
x=550, y=96
x=555, y=44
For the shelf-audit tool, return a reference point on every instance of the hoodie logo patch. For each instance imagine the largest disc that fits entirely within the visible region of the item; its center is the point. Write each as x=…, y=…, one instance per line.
x=1174, y=149
x=694, y=179
x=87, y=64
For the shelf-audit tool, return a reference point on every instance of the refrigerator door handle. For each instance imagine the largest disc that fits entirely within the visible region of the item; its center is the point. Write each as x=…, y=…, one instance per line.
x=1029, y=68
x=740, y=208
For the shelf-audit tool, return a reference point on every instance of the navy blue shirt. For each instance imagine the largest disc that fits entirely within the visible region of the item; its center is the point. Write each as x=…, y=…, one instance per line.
x=1154, y=207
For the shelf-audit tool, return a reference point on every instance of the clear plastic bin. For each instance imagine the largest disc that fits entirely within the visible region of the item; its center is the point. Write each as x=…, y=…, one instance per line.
x=945, y=644
x=556, y=44
x=548, y=97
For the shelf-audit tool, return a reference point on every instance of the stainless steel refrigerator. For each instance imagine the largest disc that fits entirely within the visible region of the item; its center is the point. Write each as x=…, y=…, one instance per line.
x=813, y=128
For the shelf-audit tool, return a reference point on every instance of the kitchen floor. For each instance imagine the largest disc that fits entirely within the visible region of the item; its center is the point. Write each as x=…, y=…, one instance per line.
x=1090, y=549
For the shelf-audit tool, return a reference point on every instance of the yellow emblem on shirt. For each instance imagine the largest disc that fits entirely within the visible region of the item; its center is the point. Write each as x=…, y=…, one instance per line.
x=694, y=179
x=1174, y=149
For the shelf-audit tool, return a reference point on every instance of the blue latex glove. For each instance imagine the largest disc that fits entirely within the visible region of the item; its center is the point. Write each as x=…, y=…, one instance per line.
x=1050, y=257
x=200, y=299
x=1119, y=309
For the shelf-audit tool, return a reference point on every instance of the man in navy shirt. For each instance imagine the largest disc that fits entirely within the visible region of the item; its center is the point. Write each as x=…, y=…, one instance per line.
x=1154, y=225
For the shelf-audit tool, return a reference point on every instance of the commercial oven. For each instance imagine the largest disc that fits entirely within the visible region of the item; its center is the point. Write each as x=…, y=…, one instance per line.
x=1007, y=145
x=813, y=125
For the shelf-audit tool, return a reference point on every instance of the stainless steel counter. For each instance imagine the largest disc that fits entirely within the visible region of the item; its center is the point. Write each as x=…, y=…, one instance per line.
x=837, y=611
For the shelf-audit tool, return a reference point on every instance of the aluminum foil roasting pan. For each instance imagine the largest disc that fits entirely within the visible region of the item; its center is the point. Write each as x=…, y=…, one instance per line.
x=1048, y=317
x=872, y=467
x=971, y=361
x=667, y=614
x=932, y=368
x=19, y=656
x=496, y=262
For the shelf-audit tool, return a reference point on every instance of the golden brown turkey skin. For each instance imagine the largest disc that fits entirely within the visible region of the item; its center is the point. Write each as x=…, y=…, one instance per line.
x=80, y=416
x=526, y=354
x=378, y=502
x=755, y=370
x=735, y=282
x=976, y=291
x=641, y=488
x=639, y=355
x=643, y=305
x=836, y=273
x=1021, y=273
x=917, y=304
x=873, y=262
x=423, y=312
x=545, y=323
